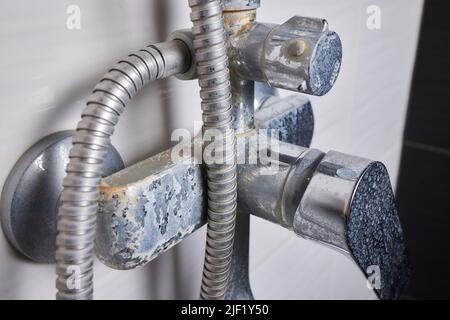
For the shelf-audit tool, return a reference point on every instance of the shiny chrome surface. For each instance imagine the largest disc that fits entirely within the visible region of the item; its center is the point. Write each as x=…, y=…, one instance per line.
x=342, y=201
x=323, y=211
x=263, y=93
x=186, y=36
x=261, y=194
x=243, y=104
x=349, y=205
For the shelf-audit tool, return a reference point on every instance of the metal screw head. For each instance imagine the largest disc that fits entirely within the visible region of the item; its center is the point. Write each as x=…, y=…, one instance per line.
x=296, y=48
x=302, y=55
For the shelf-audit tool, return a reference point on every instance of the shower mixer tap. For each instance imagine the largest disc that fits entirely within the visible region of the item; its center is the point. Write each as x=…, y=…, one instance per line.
x=342, y=201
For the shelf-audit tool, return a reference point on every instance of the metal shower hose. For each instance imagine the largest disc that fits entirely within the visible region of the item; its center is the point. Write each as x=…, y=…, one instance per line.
x=79, y=199
x=212, y=69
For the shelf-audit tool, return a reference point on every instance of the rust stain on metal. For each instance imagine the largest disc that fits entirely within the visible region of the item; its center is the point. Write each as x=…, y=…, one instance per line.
x=109, y=189
x=148, y=208
x=239, y=21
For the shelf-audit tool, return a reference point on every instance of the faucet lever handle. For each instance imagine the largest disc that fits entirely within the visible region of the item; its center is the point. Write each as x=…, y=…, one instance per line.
x=349, y=204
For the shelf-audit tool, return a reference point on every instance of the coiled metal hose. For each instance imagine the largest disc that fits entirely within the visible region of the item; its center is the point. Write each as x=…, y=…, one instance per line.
x=79, y=199
x=212, y=69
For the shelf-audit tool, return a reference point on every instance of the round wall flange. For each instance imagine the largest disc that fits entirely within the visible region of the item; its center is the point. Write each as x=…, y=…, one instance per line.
x=30, y=197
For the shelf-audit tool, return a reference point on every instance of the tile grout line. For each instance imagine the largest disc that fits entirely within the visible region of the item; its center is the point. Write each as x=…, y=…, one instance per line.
x=429, y=148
